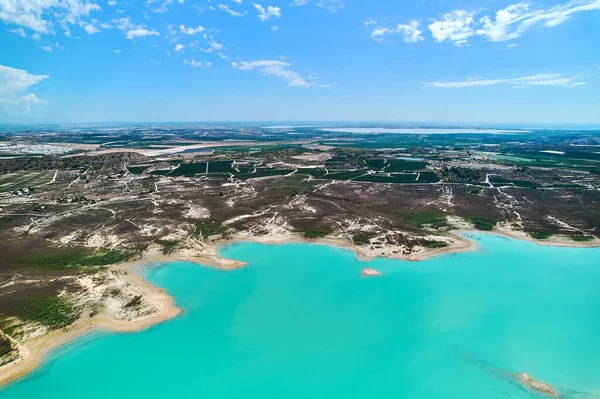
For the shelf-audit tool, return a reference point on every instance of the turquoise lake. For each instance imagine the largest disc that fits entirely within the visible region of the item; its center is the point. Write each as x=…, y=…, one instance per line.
x=301, y=322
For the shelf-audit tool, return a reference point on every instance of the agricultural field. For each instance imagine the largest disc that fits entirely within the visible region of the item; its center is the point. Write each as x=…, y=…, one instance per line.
x=24, y=180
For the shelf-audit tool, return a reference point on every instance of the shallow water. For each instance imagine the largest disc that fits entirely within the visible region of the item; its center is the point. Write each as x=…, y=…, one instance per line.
x=300, y=322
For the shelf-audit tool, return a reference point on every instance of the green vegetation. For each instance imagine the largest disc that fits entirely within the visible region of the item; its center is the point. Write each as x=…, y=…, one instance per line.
x=52, y=312
x=208, y=228
x=316, y=173
x=476, y=190
x=22, y=180
x=189, y=169
x=317, y=232
x=161, y=172
x=581, y=238
x=361, y=239
x=137, y=170
x=459, y=174
x=401, y=178
x=80, y=258
x=348, y=175
x=398, y=165
x=136, y=302
x=498, y=181
x=540, y=235
x=484, y=223
x=420, y=219
x=264, y=173
x=5, y=345
x=220, y=167
x=433, y=244
x=168, y=247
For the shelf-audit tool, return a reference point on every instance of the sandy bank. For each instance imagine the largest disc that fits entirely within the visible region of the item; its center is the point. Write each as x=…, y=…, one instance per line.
x=33, y=351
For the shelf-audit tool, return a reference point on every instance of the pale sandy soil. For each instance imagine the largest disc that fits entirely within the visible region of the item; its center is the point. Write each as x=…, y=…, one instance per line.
x=77, y=146
x=33, y=350
x=206, y=144
x=320, y=157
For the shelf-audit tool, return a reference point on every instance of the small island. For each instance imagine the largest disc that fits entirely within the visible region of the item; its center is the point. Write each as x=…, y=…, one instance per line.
x=366, y=272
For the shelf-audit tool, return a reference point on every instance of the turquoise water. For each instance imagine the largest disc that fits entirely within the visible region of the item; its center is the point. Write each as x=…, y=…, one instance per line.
x=300, y=322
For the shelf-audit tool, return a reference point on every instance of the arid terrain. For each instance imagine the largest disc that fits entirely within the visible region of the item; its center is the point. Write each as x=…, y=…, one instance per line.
x=71, y=222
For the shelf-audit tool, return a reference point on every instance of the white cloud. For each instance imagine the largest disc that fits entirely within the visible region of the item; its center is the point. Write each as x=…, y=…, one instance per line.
x=123, y=23
x=228, y=10
x=132, y=30
x=140, y=32
x=90, y=29
x=14, y=81
x=507, y=24
x=512, y=21
x=215, y=46
x=454, y=26
x=191, y=31
x=370, y=22
x=270, y=12
x=112, y=3
x=411, y=32
x=545, y=79
x=162, y=6
x=279, y=69
x=332, y=6
x=178, y=48
x=13, y=85
x=19, y=31
x=47, y=49
x=274, y=28
x=198, y=64
x=40, y=15
x=118, y=51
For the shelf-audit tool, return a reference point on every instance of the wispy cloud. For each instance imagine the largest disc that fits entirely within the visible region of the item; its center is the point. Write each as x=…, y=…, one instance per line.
x=411, y=31
x=228, y=10
x=268, y=13
x=279, y=69
x=133, y=31
x=198, y=64
x=509, y=23
x=332, y=6
x=514, y=20
x=545, y=79
x=41, y=15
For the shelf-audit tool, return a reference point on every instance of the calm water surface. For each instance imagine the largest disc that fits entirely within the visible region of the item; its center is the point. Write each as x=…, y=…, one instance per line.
x=300, y=322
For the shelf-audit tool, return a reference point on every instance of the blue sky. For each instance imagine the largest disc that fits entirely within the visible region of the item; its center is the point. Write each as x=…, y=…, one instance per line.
x=448, y=61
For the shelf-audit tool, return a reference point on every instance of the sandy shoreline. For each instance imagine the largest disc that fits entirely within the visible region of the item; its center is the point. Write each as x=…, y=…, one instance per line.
x=35, y=350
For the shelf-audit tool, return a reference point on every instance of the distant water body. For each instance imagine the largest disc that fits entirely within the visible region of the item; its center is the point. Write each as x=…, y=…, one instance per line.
x=300, y=322
x=378, y=130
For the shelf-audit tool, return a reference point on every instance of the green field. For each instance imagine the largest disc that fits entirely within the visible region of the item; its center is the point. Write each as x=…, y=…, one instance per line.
x=220, y=167
x=346, y=175
x=189, y=169
x=264, y=173
x=316, y=173
x=20, y=180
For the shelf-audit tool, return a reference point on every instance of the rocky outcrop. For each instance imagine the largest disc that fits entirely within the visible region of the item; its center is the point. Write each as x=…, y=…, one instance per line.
x=371, y=272
x=537, y=385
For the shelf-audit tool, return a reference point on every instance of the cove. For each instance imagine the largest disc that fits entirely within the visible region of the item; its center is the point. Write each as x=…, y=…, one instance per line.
x=300, y=322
